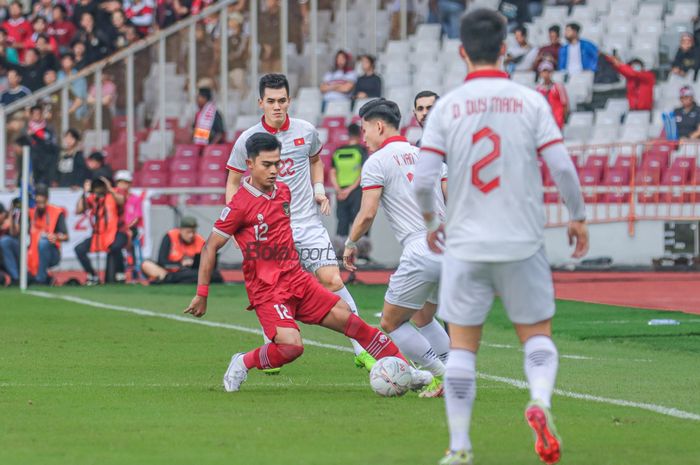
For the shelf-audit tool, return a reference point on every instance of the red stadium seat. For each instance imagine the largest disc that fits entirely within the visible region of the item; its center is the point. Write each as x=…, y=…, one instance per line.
x=151, y=166
x=184, y=165
x=655, y=160
x=154, y=179
x=616, y=177
x=210, y=179
x=118, y=129
x=597, y=163
x=217, y=151
x=590, y=177
x=190, y=151
x=677, y=178
x=576, y=159
x=650, y=176
x=183, y=179
x=116, y=155
x=625, y=162
x=685, y=164
x=332, y=122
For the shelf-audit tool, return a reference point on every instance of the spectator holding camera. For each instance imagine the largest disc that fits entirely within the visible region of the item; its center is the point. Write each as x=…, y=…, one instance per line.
x=47, y=230
x=99, y=203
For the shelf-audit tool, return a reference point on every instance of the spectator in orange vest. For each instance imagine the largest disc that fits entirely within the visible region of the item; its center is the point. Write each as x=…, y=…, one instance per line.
x=178, y=257
x=47, y=230
x=554, y=92
x=101, y=206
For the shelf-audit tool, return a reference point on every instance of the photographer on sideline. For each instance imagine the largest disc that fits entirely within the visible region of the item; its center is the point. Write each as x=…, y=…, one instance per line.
x=99, y=202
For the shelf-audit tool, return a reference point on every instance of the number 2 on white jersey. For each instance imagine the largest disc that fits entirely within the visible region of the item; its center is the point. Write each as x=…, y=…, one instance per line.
x=486, y=186
x=283, y=312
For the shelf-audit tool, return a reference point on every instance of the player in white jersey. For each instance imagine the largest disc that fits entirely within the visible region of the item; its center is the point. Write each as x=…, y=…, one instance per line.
x=491, y=131
x=386, y=178
x=300, y=167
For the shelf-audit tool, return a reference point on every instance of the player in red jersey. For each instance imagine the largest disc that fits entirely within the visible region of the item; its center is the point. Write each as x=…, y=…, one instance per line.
x=281, y=293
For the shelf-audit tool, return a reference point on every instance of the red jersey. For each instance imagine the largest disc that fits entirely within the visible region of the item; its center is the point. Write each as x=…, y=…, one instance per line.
x=558, y=100
x=17, y=30
x=261, y=225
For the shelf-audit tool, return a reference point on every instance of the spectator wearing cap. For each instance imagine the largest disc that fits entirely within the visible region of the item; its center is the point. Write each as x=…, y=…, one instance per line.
x=131, y=213
x=98, y=167
x=369, y=85
x=72, y=170
x=338, y=84
x=550, y=52
x=578, y=54
x=687, y=59
x=554, y=92
x=208, y=126
x=178, y=256
x=687, y=116
x=640, y=82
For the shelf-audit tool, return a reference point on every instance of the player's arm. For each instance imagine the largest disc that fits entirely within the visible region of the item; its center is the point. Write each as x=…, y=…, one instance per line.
x=563, y=172
x=363, y=221
x=207, y=263
x=316, y=167
x=428, y=170
x=233, y=183
x=236, y=166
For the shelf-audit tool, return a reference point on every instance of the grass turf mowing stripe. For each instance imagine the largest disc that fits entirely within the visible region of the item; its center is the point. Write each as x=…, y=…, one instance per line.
x=660, y=409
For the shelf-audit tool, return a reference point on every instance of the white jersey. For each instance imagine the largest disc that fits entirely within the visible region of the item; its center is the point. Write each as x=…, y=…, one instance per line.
x=300, y=141
x=392, y=168
x=491, y=131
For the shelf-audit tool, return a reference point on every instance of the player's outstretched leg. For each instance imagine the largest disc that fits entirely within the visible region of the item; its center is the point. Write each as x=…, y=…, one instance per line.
x=395, y=321
x=541, y=363
x=286, y=348
x=376, y=343
x=460, y=392
x=329, y=277
x=432, y=330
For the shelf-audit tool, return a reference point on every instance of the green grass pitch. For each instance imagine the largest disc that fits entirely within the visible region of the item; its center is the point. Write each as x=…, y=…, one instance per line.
x=87, y=385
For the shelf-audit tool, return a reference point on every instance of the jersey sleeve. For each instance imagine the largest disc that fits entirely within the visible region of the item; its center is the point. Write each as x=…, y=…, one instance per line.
x=229, y=222
x=547, y=131
x=434, y=139
x=236, y=161
x=372, y=175
x=316, y=144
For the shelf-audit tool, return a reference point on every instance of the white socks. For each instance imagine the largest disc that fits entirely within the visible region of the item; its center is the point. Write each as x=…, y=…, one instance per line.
x=436, y=335
x=344, y=294
x=541, y=363
x=417, y=348
x=460, y=392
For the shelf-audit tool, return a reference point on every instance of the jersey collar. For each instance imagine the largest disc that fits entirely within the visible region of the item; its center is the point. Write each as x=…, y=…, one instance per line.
x=487, y=73
x=393, y=139
x=255, y=192
x=272, y=130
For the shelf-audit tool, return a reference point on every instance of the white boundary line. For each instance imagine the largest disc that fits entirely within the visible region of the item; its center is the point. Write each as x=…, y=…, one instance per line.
x=668, y=411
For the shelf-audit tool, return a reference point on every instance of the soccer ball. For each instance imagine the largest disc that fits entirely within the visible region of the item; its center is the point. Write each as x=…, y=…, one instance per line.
x=390, y=377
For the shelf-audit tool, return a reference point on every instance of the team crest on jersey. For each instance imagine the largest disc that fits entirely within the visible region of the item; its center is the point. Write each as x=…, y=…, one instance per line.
x=299, y=141
x=261, y=218
x=285, y=208
x=224, y=213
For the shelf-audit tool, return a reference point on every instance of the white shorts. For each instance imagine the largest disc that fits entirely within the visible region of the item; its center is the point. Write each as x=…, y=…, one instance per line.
x=467, y=290
x=314, y=246
x=417, y=278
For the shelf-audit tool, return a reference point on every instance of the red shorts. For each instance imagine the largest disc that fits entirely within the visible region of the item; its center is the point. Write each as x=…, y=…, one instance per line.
x=309, y=303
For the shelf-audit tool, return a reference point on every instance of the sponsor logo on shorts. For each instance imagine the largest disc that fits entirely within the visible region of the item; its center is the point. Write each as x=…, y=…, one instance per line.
x=224, y=213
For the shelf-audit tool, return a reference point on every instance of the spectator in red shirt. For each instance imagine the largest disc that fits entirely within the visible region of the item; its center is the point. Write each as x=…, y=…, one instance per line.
x=39, y=27
x=550, y=52
x=640, y=82
x=554, y=92
x=140, y=13
x=61, y=29
x=17, y=27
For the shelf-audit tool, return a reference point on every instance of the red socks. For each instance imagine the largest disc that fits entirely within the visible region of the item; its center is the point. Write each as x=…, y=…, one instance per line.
x=371, y=339
x=272, y=356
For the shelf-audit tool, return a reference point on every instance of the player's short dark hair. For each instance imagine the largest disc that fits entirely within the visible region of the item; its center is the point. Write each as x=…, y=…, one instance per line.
x=354, y=130
x=382, y=109
x=424, y=94
x=370, y=58
x=205, y=92
x=636, y=60
x=97, y=156
x=575, y=26
x=36, y=107
x=521, y=29
x=60, y=7
x=261, y=142
x=483, y=32
x=555, y=28
x=273, y=81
